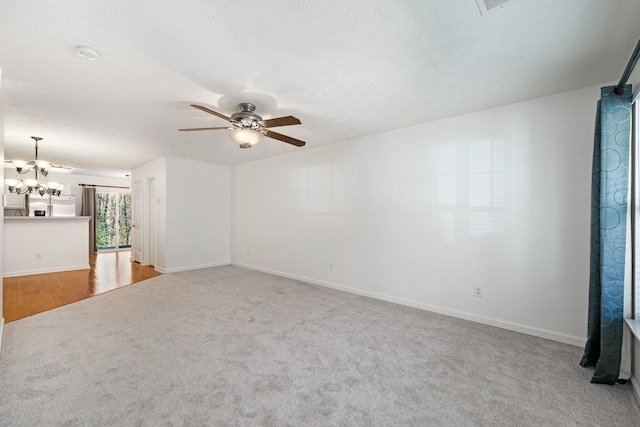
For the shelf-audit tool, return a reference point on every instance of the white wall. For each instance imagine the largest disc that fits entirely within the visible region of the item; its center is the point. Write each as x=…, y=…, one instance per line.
x=1, y=210
x=62, y=245
x=198, y=214
x=497, y=199
x=192, y=220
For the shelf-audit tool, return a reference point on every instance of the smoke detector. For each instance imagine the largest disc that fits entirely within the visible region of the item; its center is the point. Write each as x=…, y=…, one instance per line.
x=487, y=6
x=88, y=53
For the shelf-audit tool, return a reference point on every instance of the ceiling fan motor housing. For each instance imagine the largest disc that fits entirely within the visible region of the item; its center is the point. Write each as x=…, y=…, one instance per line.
x=246, y=115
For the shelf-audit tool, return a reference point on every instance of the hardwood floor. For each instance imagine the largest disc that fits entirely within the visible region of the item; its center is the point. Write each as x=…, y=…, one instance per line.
x=27, y=295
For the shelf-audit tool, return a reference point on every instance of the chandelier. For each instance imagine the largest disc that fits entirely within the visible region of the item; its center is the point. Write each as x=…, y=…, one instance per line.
x=30, y=185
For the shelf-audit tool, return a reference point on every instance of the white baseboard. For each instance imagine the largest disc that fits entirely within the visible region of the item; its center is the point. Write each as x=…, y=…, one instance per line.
x=45, y=270
x=192, y=267
x=636, y=389
x=524, y=329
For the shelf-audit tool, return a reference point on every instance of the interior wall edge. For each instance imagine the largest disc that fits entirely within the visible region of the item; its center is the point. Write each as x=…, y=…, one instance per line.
x=636, y=389
x=490, y=321
x=194, y=267
x=1, y=330
x=2, y=175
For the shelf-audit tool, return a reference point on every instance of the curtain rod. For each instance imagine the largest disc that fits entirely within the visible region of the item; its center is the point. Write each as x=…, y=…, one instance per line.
x=619, y=90
x=106, y=186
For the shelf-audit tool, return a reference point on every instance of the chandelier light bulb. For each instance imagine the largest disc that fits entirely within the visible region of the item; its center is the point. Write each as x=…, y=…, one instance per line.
x=31, y=183
x=19, y=164
x=43, y=164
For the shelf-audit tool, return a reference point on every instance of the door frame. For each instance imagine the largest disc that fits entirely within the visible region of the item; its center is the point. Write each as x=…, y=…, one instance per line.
x=137, y=207
x=148, y=222
x=145, y=204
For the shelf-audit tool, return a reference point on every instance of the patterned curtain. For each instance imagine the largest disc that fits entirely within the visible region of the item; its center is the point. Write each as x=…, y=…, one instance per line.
x=609, y=189
x=88, y=208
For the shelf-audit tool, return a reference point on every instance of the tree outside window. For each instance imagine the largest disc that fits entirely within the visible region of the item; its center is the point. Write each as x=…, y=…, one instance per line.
x=113, y=229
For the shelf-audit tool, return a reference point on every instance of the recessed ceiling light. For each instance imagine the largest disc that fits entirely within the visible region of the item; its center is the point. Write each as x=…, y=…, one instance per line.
x=87, y=53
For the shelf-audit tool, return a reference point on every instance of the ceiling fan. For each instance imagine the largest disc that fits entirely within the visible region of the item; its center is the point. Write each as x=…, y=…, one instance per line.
x=248, y=128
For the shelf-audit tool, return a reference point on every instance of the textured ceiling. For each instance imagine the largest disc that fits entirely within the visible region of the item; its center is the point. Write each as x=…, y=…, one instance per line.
x=345, y=69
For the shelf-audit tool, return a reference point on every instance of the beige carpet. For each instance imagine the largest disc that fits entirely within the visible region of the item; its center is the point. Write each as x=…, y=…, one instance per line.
x=229, y=346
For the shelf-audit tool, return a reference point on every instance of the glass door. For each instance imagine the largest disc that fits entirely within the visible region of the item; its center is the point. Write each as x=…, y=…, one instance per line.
x=113, y=229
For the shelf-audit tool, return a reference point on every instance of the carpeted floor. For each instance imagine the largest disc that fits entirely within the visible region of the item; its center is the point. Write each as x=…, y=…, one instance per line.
x=229, y=346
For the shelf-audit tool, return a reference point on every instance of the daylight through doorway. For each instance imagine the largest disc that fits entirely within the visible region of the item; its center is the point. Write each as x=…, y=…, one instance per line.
x=113, y=231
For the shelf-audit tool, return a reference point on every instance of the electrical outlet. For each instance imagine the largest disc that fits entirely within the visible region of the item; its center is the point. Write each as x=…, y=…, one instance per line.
x=478, y=291
x=332, y=267
x=248, y=253
x=38, y=255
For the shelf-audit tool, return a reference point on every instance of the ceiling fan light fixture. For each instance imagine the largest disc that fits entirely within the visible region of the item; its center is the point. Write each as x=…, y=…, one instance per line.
x=249, y=128
x=246, y=137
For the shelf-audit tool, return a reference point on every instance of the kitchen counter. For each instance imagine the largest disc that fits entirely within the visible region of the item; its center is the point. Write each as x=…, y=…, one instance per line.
x=45, y=244
x=55, y=218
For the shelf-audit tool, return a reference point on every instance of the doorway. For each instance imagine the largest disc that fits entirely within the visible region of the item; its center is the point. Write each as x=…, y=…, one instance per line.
x=144, y=221
x=113, y=226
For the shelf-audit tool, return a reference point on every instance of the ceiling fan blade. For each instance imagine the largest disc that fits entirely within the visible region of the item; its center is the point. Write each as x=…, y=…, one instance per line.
x=280, y=121
x=215, y=113
x=190, y=129
x=284, y=138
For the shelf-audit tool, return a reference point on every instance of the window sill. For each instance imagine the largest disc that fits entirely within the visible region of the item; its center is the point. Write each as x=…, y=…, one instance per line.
x=634, y=327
